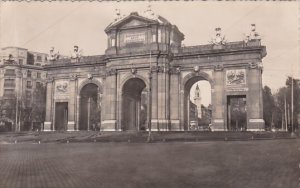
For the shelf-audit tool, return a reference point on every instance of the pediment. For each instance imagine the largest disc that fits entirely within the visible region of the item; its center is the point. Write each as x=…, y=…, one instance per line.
x=133, y=23
x=132, y=20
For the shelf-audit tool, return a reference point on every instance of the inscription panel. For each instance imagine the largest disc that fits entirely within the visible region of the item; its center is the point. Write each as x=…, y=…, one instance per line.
x=135, y=38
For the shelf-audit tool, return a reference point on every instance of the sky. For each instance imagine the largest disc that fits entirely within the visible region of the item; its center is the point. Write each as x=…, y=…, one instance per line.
x=38, y=26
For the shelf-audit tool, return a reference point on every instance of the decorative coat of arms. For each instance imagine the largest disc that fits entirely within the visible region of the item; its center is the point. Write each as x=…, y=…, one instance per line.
x=236, y=77
x=62, y=87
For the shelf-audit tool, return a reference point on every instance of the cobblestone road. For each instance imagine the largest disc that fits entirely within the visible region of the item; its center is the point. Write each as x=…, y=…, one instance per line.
x=204, y=164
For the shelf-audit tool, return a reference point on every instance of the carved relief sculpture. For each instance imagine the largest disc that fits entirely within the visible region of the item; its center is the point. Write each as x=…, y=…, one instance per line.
x=235, y=77
x=61, y=87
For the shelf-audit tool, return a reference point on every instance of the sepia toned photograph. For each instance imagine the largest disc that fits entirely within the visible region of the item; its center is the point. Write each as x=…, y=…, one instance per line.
x=149, y=94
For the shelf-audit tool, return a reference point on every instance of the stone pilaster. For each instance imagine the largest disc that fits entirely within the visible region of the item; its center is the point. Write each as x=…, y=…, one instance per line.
x=254, y=100
x=49, y=102
x=110, y=102
x=162, y=104
x=175, y=100
x=218, y=100
x=71, y=105
x=77, y=111
x=154, y=102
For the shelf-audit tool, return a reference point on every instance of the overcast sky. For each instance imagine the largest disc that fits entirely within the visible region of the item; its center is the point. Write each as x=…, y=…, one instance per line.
x=39, y=25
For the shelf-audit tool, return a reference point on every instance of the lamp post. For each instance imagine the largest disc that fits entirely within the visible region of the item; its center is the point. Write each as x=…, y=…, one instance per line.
x=292, y=105
x=285, y=112
x=150, y=100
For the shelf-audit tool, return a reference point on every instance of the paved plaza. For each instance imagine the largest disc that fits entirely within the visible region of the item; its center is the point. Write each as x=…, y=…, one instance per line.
x=208, y=164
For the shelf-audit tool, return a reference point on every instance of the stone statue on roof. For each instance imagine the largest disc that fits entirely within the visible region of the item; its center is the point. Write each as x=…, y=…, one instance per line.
x=76, y=54
x=219, y=38
x=253, y=34
x=52, y=55
x=148, y=13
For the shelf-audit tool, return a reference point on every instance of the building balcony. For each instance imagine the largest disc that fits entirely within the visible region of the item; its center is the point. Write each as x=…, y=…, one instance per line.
x=9, y=85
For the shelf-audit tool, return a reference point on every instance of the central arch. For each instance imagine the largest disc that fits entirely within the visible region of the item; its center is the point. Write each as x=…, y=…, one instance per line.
x=90, y=109
x=134, y=109
x=189, y=81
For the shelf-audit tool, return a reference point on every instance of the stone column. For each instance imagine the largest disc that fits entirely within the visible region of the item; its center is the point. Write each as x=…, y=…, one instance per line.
x=119, y=105
x=154, y=102
x=71, y=105
x=77, y=111
x=162, y=119
x=174, y=100
x=254, y=100
x=110, y=101
x=49, y=102
x=218, y=100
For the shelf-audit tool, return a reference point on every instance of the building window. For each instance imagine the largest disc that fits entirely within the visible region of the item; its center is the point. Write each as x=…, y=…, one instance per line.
x=113, y=42
x=21, y=61
x=29, y=84
x=29, y=74
x=159, y=35
x=9, y=83
x=8, y=92
x=153, y=38
x=10, y=72
x=38, y=75
x=39, y=58
x=28, y=95
x=39, y=85
x=28, y=99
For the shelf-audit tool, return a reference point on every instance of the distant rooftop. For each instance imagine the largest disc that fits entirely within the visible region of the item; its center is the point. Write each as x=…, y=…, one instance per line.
x=13, y=47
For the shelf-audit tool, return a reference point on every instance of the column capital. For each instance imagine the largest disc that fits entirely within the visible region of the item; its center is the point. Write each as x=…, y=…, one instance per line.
x=255, y=65
x=73, y=77
x=175, y=70
x=218, y=68
x=111, y=71
x=50, y=80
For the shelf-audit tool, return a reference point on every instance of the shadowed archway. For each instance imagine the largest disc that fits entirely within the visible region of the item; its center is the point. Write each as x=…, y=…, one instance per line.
x=134, y=107
x=90, y=109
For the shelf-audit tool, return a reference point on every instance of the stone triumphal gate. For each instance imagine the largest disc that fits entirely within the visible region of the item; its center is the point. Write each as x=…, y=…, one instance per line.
x=146, y=70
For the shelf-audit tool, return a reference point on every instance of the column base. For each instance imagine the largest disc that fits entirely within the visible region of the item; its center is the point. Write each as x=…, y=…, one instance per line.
x=160, y=125
x=175, y=125
x=256, y=125
x=218, y=125
x=47, y=126
x=71, y=126
x=108, y=125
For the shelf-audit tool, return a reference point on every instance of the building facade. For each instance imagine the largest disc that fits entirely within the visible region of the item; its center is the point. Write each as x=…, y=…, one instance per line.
x=145, y=55
x=22, y=78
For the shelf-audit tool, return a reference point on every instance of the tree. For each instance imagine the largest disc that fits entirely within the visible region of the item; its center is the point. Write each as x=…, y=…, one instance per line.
x=269, y=107
x=32, y=108
x=283, y=103
x=296, y=99
x=7, y=113
x=38, y=109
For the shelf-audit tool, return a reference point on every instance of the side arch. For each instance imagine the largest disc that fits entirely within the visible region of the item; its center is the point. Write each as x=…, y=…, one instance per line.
x=198, y=74
x=89, y=105
x=130, y=76
x=187, y=82
x=88, y=81
x=133, y=104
